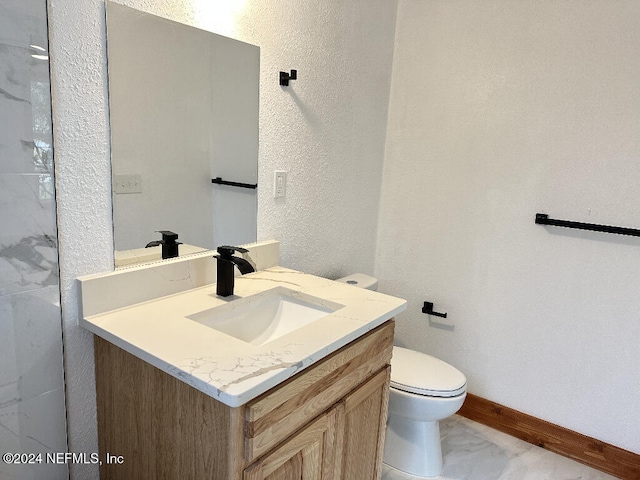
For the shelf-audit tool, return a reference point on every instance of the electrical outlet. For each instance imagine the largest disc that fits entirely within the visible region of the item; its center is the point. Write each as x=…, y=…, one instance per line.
x=279, y=184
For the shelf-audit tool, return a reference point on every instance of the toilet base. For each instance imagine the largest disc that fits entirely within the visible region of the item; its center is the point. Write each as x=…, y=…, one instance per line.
x=413, y=447
x=403, y=473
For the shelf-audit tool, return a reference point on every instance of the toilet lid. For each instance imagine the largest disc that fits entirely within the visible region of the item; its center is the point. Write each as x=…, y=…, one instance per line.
x=422, y=374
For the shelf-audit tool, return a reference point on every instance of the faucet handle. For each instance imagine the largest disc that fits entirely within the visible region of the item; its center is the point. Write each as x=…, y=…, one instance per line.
x=226, y=251
x=168, y=236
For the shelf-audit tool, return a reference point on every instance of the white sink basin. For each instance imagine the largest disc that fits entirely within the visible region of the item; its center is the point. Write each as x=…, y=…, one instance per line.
x=263, y=317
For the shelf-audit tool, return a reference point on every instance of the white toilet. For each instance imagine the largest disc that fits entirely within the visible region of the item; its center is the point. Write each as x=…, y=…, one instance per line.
x=424, y=390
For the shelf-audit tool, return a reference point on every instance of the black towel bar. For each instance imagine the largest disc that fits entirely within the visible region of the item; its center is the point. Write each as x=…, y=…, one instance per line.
x=220, y=181
x=543, y=219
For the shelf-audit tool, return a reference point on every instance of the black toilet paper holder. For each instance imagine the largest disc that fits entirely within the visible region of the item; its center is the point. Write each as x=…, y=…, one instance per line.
x=428, y=309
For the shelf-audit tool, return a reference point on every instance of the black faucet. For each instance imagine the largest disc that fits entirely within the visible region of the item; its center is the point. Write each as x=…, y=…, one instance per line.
x=169, y=244
x=226, y=261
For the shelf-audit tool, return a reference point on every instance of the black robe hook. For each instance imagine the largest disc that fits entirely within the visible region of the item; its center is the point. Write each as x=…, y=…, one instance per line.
x=285, y=77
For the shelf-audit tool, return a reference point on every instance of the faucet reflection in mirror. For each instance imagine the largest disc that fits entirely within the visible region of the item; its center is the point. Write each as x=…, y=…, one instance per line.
x=183, y=107
x=169, y=244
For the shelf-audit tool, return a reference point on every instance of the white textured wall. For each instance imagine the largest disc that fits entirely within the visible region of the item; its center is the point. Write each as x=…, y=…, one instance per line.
x=501, y=109
x=83, y=195
x=327, y=130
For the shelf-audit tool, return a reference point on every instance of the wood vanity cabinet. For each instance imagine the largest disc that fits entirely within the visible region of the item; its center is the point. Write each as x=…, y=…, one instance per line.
x=326, y=423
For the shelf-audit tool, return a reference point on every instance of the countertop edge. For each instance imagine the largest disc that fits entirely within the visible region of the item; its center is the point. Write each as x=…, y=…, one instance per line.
x=253, y=392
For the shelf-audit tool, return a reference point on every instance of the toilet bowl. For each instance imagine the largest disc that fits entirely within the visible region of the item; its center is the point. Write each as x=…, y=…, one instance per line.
x=423, y=391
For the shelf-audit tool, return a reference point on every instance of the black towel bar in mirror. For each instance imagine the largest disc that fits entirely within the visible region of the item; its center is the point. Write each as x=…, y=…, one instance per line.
x=220, y=181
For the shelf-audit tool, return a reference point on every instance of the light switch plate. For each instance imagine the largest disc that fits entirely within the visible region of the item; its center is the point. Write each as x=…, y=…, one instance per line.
x=280, y=184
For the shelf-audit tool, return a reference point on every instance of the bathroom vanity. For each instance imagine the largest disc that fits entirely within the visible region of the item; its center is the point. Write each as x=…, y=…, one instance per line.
x=326, y=422
x=183, y=393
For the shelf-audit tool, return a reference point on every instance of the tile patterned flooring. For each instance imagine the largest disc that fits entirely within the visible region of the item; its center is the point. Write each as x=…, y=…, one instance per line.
x=472, y=451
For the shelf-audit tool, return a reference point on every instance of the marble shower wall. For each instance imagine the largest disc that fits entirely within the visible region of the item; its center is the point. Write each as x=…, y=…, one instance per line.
x=32, y=411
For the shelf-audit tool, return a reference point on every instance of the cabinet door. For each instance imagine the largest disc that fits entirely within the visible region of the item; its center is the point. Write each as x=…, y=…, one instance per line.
x=363, y=428
x=277, y=415
x=309, y=455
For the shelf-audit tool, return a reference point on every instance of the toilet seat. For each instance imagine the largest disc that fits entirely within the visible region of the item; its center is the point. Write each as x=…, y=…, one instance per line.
x=422, y=374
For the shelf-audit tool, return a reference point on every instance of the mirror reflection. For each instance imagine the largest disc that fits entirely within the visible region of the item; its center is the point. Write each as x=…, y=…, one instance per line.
x=183, y=107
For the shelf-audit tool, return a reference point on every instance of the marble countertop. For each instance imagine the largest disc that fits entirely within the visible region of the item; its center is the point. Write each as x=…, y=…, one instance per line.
x=230, y=370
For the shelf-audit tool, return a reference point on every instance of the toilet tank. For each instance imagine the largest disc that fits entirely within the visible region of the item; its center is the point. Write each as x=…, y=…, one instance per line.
x=360, y=280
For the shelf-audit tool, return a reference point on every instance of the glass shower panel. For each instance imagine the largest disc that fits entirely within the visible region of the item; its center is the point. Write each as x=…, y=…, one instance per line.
x=32, y=411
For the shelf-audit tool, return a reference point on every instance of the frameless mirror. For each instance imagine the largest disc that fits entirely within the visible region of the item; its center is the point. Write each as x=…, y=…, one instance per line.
x=183, y=108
